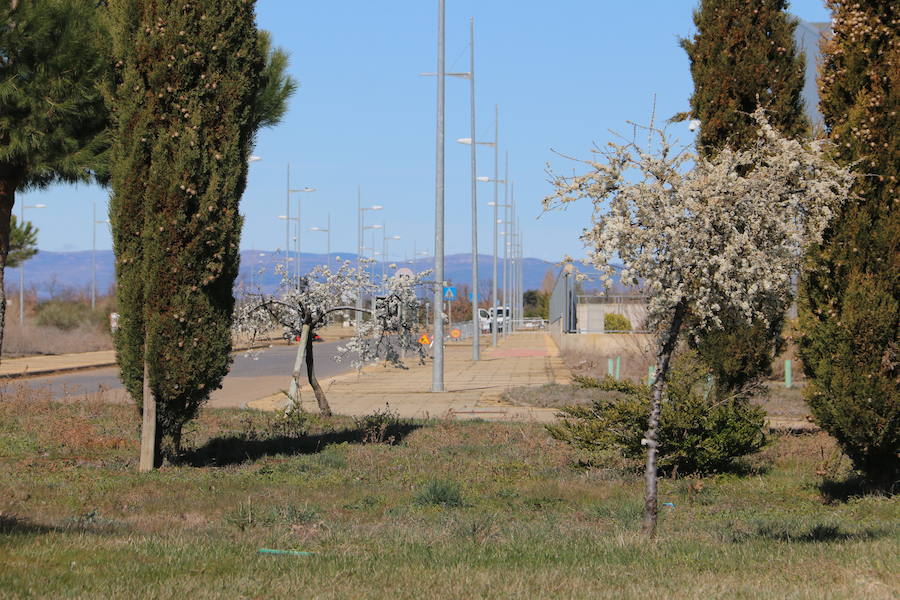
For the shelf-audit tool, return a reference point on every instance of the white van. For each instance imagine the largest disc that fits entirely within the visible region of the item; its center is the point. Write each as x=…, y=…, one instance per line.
x=485, y=317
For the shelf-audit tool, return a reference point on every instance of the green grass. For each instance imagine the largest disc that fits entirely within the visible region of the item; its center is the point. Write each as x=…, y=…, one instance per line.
x=449, y=510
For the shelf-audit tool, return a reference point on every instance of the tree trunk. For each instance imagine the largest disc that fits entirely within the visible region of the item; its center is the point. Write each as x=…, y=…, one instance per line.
x=313, y=382
x=7, y=199
x=666, y=348
x=294, y=391
x=150, y=434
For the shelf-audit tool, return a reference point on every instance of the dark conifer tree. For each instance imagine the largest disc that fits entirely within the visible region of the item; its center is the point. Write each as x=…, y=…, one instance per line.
x=189, y=73
x=53, y=122
x=850, y=294
x=743, y=56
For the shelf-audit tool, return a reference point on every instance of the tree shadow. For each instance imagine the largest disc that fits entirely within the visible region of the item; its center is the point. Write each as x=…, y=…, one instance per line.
x=236, y=449
x=817, y=533
x=12, y=525
x=848, y=488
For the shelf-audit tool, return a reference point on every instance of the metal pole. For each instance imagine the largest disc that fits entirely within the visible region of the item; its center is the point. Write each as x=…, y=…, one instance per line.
x=328, y=242
x=93, y=255
x=506, y=242
x=476, y=324
x=287, y=223
x=437, y=376
x=297, y=241
x=496, y=200
x=359, y=243
x=513, y=240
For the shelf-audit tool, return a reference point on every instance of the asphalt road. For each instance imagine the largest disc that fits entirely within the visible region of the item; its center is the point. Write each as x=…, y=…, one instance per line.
x=249, y=379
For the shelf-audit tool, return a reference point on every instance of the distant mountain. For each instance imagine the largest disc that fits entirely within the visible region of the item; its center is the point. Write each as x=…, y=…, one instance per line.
x=50, y=273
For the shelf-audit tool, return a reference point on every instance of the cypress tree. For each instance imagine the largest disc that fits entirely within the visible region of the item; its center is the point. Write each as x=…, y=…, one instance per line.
x=850, y=294
x=188, y=74
x=52, y=116
x=743, y=56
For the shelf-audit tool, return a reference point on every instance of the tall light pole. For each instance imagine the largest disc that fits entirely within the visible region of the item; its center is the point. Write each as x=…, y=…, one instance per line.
x=360, y=227
x=437, y=374
x=496, y=180
x=94, y=222
x=22, y=265
x=506, y=240
x=327, y=232
x=287, y=261
x=476, y=337
x=384, y=252
x=496, y=205
x=297, y=219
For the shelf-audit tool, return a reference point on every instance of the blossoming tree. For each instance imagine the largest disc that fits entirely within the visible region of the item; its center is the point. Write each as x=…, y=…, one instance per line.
x=304, y=305
x=703, y=235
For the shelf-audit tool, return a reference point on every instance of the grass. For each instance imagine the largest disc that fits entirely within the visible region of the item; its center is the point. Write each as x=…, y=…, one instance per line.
x=448, y=509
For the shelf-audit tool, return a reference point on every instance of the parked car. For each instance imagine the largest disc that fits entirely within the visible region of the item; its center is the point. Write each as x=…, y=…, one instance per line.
x=294, y=336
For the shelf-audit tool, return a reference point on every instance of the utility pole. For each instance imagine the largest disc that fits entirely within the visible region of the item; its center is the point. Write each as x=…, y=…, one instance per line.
x=437, y=376
x=476, y=322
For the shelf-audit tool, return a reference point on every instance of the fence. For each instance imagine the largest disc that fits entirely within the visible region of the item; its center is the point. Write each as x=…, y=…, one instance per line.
x=571, y=312
x=562, y=303
x=591, y=311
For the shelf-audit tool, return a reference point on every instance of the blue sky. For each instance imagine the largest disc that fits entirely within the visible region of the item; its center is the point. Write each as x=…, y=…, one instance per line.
x=563, y=74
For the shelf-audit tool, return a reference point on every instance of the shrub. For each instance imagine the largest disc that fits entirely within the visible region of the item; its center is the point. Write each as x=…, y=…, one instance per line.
x=67, y=314
x=376, y=426
x=440, y=492
x=616, y=322
x=697, y=433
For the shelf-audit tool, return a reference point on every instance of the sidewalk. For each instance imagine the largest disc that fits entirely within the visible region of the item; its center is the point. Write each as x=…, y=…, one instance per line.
x=473, y=389
x=28, y=366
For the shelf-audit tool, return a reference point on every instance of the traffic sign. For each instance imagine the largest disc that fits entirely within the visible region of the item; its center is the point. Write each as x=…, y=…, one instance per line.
x=455, y=334
x=424, y=339
x=449, y=292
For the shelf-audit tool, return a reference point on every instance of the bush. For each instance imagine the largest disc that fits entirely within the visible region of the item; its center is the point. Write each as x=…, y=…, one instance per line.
x=616, y=322
x=375, y=428
x=697, y=434
x=440, y=493
x=67, y=314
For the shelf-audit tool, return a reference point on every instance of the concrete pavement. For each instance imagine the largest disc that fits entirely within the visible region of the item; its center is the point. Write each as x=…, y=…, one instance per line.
x=473, y=389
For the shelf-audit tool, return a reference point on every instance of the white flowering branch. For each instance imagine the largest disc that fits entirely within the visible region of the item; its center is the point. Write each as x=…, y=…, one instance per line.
x=303, y=305
x=704, y=236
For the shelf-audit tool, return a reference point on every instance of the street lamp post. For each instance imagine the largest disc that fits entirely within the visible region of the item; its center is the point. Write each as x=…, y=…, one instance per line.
x=506, y=308
x=384, y=253
x=287, y=260
x=22, y=266
x=495, y=180
x=297, y=239
x=327, y=232
x=94, y=222
x=361, y=226
x=476, y=337
x=437, y=374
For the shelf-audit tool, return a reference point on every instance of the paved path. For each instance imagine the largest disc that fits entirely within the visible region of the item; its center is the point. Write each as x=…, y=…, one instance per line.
x=473, y=389
x=83, y=375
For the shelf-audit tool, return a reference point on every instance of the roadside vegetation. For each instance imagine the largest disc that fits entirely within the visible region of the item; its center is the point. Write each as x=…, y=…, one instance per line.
x=461, y=509
x=60, y=324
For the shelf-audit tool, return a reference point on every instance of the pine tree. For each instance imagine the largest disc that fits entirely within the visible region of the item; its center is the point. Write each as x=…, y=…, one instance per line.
x=22, y=242
x=52, y=116
x=743, y=56
x=185, y=108
x=850, y=306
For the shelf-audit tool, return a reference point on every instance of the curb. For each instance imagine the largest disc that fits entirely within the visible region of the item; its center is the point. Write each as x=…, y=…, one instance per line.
x=32, y=373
